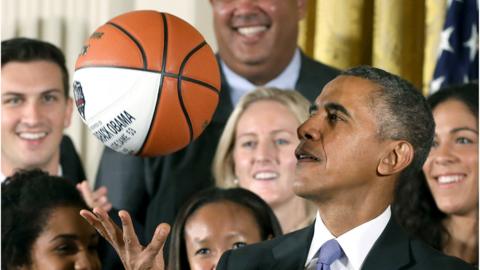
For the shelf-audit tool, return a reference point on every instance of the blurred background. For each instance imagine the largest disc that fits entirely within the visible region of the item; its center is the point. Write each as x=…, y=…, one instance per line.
x=401, y=36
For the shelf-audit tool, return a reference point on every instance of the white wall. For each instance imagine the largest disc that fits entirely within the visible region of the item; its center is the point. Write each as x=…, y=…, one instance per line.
x=196, y=12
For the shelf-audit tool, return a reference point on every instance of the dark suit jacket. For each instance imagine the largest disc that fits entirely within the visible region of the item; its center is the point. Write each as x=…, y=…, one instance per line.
x=72, y=168
x=393, y=250
x=153, y=189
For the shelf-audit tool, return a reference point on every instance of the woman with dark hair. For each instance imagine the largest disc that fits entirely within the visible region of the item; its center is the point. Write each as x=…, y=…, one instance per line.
x=440, y=206
x=210, y=223
x=41, y=227
x=216, y=220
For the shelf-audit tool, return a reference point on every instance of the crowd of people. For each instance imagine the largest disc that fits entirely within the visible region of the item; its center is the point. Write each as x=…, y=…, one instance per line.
x=302, y=167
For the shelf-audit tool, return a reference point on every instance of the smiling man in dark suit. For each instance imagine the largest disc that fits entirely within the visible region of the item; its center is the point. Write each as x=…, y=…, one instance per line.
x=36, y=109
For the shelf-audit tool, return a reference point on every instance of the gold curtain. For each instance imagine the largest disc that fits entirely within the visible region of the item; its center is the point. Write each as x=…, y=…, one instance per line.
x=400, y=36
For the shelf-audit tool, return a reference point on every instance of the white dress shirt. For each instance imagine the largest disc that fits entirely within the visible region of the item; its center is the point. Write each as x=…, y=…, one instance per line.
x=240, y=86
x=356, y=243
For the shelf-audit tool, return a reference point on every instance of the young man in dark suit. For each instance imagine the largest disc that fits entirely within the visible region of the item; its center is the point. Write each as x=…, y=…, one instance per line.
x=366, y=128
x=36, y=109
x=257, y=45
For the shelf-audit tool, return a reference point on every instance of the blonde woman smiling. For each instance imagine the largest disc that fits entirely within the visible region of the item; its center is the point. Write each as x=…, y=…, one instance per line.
x=256, y=152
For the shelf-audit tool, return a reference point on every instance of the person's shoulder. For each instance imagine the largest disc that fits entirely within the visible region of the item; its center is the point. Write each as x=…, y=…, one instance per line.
x=313, y=77
x=268, y=254
x=313, y=65
x=396, y=249
x=67, y=148
x=430, y=258
x=263, y=248
x=70, y=162
x=254, y=256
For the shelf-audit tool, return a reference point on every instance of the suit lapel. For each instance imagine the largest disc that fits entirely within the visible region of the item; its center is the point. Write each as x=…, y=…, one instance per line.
x=391, y=250
x=291, y=253
x=313, y=77
x=307, y=84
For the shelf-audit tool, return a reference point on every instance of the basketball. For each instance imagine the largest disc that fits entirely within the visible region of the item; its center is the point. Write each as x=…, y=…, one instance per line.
x=146, y=83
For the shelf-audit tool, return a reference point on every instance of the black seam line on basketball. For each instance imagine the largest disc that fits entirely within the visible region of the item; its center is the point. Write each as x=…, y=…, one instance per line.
x=185, y=78
x=179, y=87
x=142, y=51
x=160, y=87
x=165, y=42
x=166, y=74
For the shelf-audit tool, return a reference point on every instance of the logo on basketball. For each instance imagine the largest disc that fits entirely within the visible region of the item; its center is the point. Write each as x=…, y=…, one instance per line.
x=96, y=35
x=79, y=98
x=84, y=50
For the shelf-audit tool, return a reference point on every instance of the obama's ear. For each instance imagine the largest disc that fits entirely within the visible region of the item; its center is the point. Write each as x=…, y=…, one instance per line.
x=396, y=159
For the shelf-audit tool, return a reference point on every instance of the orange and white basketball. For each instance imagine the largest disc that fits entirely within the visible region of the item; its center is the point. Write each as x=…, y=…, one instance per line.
x=146, y=83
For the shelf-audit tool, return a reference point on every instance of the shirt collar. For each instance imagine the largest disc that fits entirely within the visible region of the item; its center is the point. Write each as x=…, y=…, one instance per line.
x=3, y=177
x=356, y=243
x=239, y=86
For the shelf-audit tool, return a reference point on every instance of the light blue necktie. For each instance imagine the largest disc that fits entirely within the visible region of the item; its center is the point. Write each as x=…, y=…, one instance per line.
x=329, y=252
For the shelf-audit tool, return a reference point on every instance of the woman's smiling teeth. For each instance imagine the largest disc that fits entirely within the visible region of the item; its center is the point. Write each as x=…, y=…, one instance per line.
x=448, y=179
x=265, y=175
